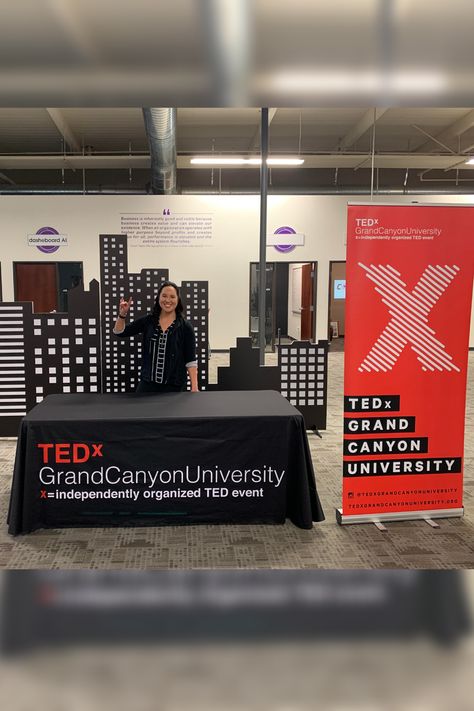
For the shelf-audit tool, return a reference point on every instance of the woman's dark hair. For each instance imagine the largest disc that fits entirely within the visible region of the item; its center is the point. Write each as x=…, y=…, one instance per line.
x=157, y=307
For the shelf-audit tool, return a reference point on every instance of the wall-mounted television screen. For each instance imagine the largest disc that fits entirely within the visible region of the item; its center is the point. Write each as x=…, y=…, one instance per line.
x=339, y=288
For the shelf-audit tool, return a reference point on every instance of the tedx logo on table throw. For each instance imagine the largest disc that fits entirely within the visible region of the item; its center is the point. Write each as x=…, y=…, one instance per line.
x=67, y=453
x=64, y=453
x=409, y=324
x=109, y=481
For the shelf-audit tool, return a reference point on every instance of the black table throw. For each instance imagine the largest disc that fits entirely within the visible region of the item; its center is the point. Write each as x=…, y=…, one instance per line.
x=173, y=458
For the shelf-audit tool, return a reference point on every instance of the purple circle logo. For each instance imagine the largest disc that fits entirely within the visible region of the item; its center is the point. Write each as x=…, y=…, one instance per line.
x=48, y=249
x=285, y=247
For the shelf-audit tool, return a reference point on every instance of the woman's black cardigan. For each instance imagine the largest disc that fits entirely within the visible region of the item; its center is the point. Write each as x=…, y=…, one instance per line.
x=180, y=349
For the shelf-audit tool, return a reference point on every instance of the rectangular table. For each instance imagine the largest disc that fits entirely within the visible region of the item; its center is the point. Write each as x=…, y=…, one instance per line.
x=173, y=458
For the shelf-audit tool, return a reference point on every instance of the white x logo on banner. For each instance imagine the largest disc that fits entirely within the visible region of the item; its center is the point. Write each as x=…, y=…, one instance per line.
x=409, y=322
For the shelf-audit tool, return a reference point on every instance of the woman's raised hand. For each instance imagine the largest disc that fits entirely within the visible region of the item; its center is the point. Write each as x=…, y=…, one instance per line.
x=124, y=306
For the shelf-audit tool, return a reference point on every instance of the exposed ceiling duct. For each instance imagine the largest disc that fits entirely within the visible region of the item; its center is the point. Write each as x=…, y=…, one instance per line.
x=160, y=126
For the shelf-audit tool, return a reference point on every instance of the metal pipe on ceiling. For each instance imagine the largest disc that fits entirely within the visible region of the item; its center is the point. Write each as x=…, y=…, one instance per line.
x=5, y=190
x=332, y=191
x=160, y=126
x=68, y=191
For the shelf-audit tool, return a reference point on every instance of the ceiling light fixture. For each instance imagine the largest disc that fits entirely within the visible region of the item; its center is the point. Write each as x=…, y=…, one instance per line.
x=218, y=161
x=285, y=161
x=338, y=82
x=223, y=161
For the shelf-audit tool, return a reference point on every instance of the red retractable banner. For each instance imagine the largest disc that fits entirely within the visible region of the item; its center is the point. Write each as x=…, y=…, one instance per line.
x=409, y=289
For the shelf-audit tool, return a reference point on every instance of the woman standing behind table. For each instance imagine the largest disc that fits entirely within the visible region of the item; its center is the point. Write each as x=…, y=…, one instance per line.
x=169, y=347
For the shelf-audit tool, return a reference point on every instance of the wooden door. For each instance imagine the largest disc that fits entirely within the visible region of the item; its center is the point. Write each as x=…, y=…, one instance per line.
x=37, y=283
x=306, y=302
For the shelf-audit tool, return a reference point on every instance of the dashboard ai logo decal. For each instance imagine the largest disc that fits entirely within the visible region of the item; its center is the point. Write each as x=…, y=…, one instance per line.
x=285, y=248
x=47, y=240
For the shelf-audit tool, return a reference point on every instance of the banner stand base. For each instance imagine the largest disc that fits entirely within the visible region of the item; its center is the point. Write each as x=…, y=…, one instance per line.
x=431, y=523
x=401, y=516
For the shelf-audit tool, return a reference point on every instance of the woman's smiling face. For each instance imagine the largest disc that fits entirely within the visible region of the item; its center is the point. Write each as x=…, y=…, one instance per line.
x=168, y=299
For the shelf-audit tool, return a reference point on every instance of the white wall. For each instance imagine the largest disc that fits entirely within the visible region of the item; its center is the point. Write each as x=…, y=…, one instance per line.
x=224, y=261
